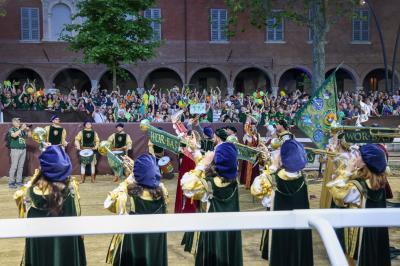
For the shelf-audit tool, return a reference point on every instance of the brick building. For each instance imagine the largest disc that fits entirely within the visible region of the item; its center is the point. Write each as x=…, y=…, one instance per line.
x=196, y=50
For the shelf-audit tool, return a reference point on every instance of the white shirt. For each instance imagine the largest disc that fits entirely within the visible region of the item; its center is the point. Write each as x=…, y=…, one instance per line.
x=99, y=117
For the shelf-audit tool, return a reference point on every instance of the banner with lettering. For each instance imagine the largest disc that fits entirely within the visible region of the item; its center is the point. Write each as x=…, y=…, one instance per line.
x=365, y=136
x=164, y=139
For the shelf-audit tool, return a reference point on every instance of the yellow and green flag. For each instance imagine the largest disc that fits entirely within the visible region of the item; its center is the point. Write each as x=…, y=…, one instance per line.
x=314, y=119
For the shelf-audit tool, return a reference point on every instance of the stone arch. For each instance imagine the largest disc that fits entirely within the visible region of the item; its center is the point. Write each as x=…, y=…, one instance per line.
x=22, y=74
x=346, y=79
x=68, y=78
x=130, y=83
x=293, y=78
x=251, y=78
x=374, y=79
x=206, y=77
x=163, y=78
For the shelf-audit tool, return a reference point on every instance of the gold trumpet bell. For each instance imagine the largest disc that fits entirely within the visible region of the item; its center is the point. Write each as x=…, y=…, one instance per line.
x=276, y=143
x=144, y=125
x=104, y=147
x=38, y=134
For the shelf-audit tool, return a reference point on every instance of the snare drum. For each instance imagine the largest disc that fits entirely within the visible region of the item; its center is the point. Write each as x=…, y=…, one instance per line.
x=86, y=156
x=166, y=167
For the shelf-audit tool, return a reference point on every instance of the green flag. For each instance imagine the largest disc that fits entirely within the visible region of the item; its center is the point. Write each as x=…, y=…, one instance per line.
x=316, y=116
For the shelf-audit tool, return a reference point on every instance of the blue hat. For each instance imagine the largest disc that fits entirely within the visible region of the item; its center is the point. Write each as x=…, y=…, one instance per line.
x=208, y=132
x=55, y=164
x=54, y=117
x=120, y=125
x=374, y=157
x=146, y=171
x=293, y=156
x=225, y=160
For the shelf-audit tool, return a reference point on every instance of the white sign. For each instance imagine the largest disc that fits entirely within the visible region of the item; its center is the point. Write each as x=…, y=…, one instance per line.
x=199, y=108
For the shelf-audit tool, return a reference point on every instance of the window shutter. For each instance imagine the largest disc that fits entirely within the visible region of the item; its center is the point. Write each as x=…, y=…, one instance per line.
x=147, y=13
x=223, y=15
x=35, y=24
x=156, y=25
x=25, y=32
x=214, y=24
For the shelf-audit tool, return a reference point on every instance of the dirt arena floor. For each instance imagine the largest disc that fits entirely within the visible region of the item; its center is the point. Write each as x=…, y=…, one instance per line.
x=93, y=195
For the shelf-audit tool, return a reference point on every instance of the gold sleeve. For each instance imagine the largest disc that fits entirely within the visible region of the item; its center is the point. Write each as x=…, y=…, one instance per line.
x=63, y=137
x=339, y=193
x=74, y=186
x=47, y=129
x=262, y=186
x=165, y=192
x=128, y=142
x=193, y=183
x=117, y=199
x=111, y=140
x=78, y=140
x=151, y=147
x=96, y=140
x=20, y=196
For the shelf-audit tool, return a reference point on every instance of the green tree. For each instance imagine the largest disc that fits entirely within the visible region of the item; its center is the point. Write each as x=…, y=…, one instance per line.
x=317, y=15
x=3, y=4
x=113, y=32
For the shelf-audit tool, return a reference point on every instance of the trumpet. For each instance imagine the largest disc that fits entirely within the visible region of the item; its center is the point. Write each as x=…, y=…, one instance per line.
x=322, y=152
x=39, y=136
x=386, y=132
x=115, y=162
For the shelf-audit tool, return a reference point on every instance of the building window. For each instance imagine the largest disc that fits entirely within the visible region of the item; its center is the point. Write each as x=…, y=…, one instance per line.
x=60, y=17
x=219, y=20
x=361, y=25
x=30, y=27
x=275, y=29
x=154, y=14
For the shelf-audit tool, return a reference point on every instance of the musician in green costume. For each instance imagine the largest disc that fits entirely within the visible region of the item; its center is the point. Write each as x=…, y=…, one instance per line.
x=51, y=193
x=55, y=134
x=282, y=186
x=214, y=181
x=366, y=246
x=120, y=142
x=87, y=139
x=140, y=194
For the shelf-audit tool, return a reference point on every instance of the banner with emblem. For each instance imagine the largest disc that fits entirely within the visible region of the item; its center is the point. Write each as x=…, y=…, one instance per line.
x=314, y=119
x=198, y=108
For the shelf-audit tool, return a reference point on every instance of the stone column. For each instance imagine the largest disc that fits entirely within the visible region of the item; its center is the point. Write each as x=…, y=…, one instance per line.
x=275, y=91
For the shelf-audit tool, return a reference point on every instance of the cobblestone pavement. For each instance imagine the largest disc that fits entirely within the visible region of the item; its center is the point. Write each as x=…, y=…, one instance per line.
x=93, y=195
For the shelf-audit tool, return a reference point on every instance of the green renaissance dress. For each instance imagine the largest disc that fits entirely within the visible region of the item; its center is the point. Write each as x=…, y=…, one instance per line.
x=221, y=248
x=140, y=249
x=54, y=251
x=289, y=246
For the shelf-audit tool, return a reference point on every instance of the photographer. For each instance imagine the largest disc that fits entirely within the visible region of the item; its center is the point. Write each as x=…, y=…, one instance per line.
x=16, y=140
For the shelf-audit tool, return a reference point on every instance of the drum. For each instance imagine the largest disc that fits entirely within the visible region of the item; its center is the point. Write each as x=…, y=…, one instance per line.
x=86, y=156
x=166, y=167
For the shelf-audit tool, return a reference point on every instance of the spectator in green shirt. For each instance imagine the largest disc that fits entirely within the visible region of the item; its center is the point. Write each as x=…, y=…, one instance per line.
x=16, y=140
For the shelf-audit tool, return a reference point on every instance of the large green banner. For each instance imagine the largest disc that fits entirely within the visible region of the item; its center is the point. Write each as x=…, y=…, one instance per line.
x=316, y=116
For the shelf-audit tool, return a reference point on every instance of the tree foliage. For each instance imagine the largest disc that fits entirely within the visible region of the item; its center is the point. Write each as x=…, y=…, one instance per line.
x=318, y=15
x=3, y=4
x=113, y=32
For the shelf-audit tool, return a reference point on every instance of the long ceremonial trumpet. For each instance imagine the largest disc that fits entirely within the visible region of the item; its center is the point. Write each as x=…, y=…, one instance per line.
x=39, y=136
x=104, y=149
x=319, y=151
x=386, y=132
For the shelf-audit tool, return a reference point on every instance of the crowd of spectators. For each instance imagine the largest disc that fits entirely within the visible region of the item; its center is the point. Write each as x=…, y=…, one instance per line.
x=158, y=105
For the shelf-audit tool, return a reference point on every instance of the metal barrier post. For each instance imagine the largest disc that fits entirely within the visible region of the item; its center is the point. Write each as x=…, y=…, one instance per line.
x=330, y=240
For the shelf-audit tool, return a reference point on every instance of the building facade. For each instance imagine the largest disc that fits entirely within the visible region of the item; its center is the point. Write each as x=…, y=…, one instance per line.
x=197, y=51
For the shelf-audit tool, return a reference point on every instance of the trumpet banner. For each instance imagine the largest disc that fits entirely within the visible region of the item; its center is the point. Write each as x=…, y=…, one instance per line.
x=314, y=119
